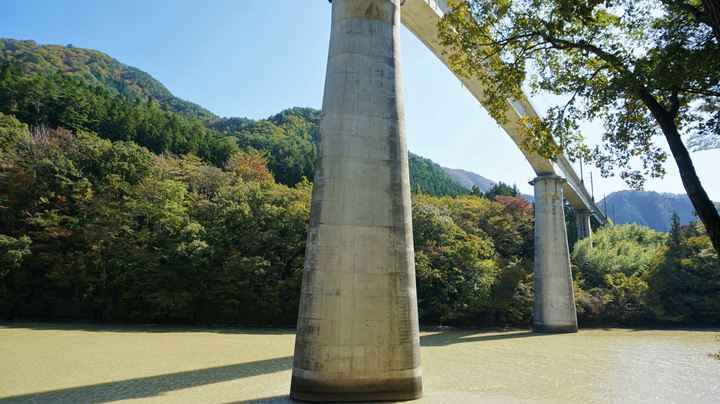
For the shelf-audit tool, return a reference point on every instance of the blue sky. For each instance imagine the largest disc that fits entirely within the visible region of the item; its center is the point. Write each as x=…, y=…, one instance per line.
x=255, y=58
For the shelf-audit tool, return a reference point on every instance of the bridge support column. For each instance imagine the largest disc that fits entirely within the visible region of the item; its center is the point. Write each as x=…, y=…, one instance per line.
x=582, y=221
x=357, y=334
x=554, y=303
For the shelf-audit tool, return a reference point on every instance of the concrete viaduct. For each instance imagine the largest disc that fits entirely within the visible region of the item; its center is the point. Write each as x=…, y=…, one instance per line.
x=357, y=334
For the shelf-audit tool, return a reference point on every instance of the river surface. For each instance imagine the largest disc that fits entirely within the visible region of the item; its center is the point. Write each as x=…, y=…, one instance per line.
x=100, y=363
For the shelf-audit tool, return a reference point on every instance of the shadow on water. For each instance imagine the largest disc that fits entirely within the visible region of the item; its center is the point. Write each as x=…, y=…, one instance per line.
x=446, y=338
x=451, y=337
x=149, y=328
x=284, y=399
x=143, y=387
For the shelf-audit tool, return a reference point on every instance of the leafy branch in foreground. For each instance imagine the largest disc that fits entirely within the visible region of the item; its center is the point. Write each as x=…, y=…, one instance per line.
x=644, y=68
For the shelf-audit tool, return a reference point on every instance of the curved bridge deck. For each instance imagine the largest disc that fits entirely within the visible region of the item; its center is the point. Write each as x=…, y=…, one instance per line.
x=421, y=18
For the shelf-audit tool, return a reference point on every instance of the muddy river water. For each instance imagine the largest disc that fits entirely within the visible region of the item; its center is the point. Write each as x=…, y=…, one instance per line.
x=100, y=363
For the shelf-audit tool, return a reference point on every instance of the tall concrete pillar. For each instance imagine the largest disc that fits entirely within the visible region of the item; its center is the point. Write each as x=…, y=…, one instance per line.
x=554, y=303
x=357, y=335
x=582, y=222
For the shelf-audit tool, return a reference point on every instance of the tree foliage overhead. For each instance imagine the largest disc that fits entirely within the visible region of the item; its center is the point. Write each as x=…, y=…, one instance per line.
x=644, y=68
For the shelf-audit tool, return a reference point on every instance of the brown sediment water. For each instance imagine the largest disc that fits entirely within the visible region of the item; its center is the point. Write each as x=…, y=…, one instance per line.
x=101, y=363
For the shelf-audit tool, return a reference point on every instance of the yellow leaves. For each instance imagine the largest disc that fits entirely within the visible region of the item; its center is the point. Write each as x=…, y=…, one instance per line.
x=537, y=137
x=249, y=166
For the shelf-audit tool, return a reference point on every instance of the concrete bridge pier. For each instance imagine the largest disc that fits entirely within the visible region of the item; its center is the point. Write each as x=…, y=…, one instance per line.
x=357, y=334
x=582, y=222
x=554, y=302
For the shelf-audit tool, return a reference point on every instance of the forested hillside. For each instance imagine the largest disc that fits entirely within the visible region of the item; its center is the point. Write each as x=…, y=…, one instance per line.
x=289, y=140
x=97, y=69
x=113, y=208
x=647, y=208
x=62, y=100
x=427, y=177
x=469, y=179
x=102, y=229
x=80, y=88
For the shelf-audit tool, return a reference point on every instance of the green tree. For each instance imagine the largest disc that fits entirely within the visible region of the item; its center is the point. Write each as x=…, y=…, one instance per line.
x=626, y=249
x=611, y=269
x=290, y=156
x=644, y=68
x=507, y=221
x=475, y=191
x=11, y=130
x=12, y=252
x=684, y=278
x=455, y=270
x=501, y=189
x=472, y=260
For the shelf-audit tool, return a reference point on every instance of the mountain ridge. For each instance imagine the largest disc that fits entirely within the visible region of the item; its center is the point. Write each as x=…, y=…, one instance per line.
x=53, y=74
x=648, y=208
x=95, y=67
x=468, y=179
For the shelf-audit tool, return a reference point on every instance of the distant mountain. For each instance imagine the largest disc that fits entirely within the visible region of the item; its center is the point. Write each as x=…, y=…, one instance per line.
x=96, y=68
x=648, y=208
x=468, y=179
x=428, y=177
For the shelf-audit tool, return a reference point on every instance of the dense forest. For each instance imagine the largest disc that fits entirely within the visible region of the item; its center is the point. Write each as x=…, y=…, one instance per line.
x=108, y=230
x=98, y=69
x=118, y=208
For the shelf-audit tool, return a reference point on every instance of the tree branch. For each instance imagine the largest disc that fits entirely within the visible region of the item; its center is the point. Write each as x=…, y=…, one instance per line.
x=696, y=12
x=674, y=104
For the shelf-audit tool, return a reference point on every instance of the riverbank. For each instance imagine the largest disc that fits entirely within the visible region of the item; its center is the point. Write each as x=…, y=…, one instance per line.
x=97, y=363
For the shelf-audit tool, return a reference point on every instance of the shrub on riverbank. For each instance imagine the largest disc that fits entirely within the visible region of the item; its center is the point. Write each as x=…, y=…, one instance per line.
x=632, y=275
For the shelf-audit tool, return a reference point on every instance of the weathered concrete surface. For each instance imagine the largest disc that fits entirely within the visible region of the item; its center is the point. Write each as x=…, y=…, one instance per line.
x=582, y=223
x=554, y=302
x=357, y=337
